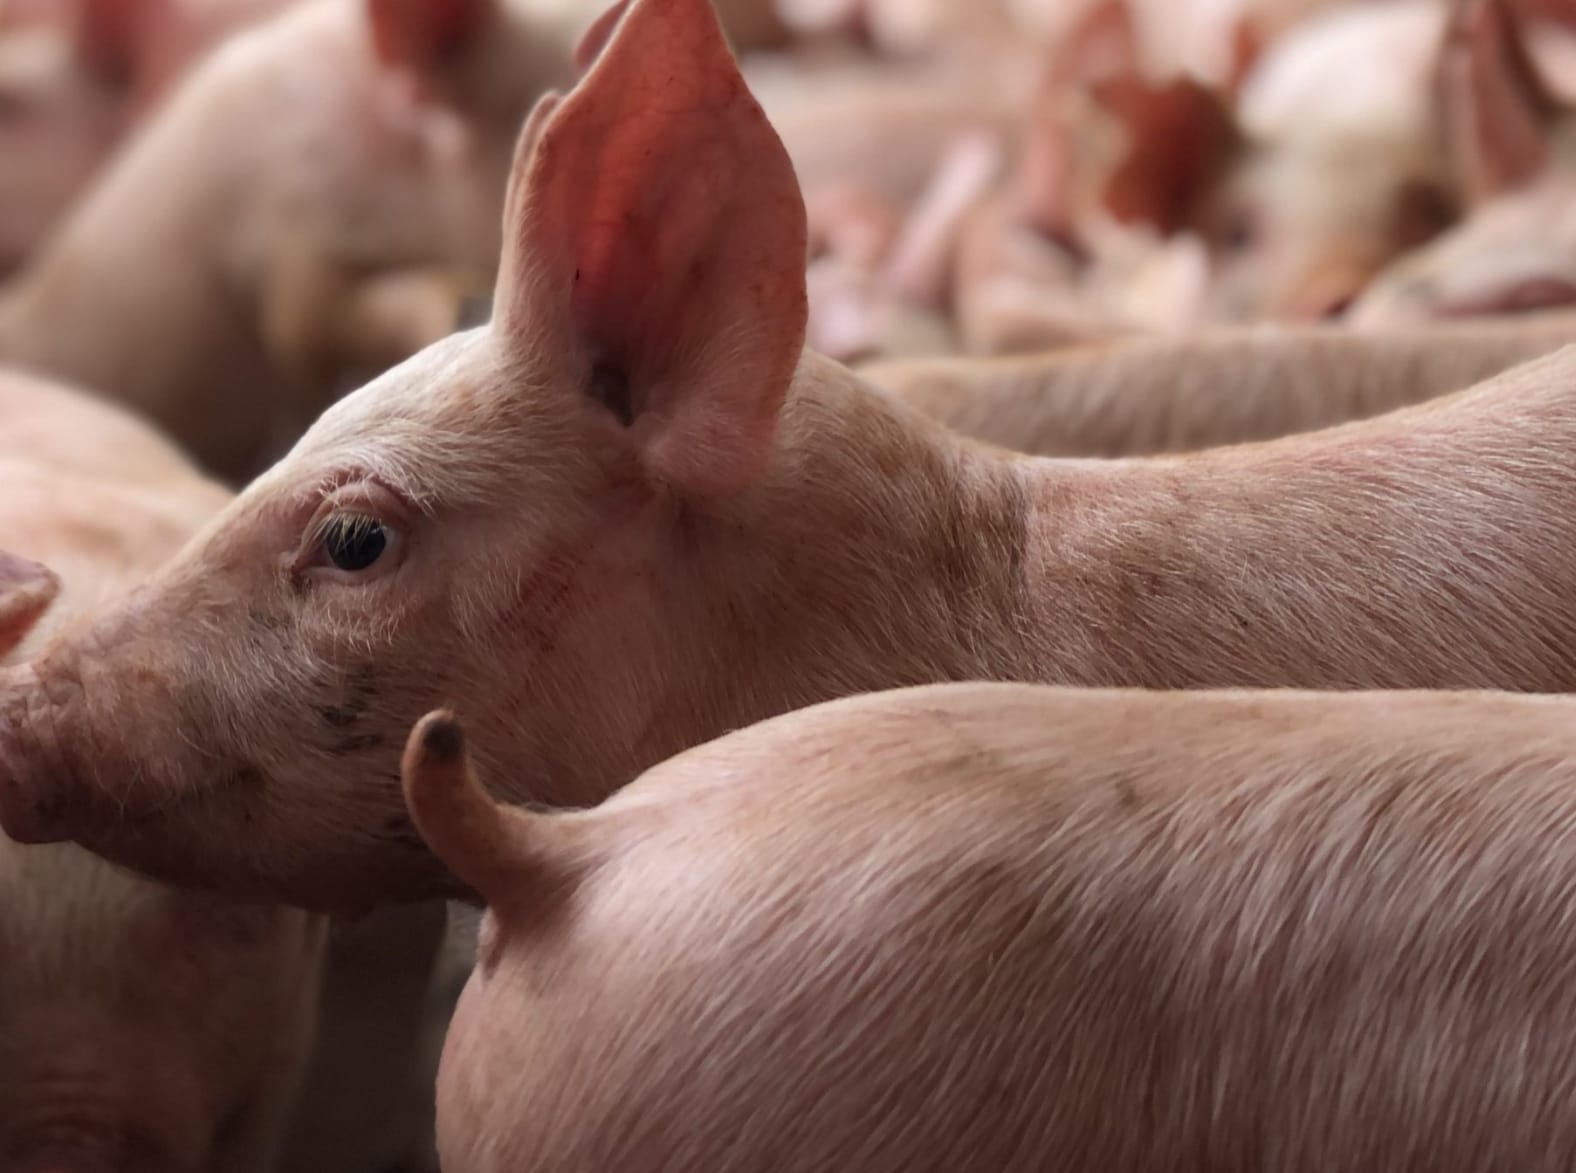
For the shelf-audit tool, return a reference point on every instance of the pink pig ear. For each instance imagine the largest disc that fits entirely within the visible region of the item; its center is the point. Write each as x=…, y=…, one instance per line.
x=656, y=245
x=26, y=591
x=420, y=36
x=1495, y=111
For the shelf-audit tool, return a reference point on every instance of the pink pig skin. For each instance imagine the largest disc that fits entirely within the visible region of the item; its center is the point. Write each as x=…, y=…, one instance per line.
x=141, y=1027
x=633, y=512
x=76, y=78
x=959, y=929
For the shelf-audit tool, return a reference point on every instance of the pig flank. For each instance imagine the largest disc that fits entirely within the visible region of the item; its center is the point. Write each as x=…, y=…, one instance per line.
x=1013, y=928
x=633, y=512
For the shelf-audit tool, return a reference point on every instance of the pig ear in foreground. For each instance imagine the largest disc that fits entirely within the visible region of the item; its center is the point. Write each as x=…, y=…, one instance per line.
x=1495, y=111
x=655, y=242
x=26, y=591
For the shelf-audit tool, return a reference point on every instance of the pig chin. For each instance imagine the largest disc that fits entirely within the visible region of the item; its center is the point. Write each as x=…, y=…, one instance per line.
x=244, y=858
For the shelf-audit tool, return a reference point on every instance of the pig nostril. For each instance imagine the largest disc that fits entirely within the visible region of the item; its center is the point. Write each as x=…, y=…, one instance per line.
x=1338, y=307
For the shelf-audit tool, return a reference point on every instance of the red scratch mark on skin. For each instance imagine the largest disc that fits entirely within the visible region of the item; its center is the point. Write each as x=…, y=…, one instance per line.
x=575, y=576
x=547, y=596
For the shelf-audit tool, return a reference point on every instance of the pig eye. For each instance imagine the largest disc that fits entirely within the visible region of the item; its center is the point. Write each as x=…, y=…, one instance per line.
x=357, y=534
x=355, y=542
x=1238, y=232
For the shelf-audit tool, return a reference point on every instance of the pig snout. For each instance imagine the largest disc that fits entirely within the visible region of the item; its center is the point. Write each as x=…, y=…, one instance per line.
x=71, y=749
x=37, y=781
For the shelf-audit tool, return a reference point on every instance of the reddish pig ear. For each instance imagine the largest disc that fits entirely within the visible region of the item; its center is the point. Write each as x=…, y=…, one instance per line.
x=1180, y=139
x=113, y=36
x=421, y=36
x=655, y=246
x=26, y=591
x=1495, y=111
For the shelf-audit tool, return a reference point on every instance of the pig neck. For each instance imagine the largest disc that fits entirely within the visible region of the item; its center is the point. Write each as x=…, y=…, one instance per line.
x=886, y=551
x=882, y=551
x=134, y=299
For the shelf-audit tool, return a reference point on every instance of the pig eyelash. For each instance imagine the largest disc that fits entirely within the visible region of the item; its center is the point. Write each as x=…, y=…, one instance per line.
x=330, y=522
x=359, y=536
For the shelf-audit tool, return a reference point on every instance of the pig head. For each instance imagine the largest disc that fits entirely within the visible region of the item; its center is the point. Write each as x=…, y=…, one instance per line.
x=509, y=523
x=63, y=119
x=74, y=78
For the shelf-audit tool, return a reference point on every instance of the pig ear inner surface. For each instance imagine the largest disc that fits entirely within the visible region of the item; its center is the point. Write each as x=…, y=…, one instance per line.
x=656, y=244
x=26, y=591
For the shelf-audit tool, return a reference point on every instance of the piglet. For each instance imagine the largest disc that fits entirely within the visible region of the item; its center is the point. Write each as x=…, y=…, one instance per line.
x=1137, y=396
x=960, y=929
x=633, y=512
x=141, y=1027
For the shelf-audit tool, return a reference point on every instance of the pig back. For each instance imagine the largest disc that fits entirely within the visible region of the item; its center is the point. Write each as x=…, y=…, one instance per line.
x=962, y=929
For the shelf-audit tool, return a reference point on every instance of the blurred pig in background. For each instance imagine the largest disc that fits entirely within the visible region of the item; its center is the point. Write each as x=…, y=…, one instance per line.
x=1507, y=116
x=76, y=76
x=306, y=211
x=141, y=1027
x=1142, y=189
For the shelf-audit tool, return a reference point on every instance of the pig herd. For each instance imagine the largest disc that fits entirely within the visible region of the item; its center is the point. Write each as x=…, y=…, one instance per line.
x=985, y=591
